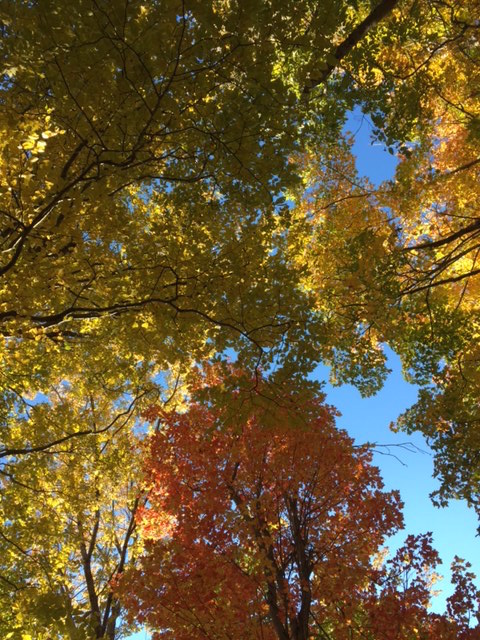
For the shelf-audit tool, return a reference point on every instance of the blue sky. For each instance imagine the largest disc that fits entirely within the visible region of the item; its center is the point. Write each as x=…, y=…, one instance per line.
x=372, y=159
x=408, y=469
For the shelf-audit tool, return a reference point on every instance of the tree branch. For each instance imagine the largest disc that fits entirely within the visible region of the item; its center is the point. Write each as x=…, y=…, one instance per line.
x=374, y=17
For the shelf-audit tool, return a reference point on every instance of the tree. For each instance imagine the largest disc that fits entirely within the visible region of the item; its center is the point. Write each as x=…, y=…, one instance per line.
x=147, y=150
x=139, y=139
x=397, y=264
x=70, y=491
x=434, y=202
x=262, y=530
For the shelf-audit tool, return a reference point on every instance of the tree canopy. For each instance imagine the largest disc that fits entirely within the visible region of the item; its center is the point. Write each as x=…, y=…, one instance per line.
x=398, y=263
x=177, y=188
x=259, y=531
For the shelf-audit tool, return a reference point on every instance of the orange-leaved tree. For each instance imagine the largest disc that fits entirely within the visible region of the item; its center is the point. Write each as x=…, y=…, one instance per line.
x=275, y=533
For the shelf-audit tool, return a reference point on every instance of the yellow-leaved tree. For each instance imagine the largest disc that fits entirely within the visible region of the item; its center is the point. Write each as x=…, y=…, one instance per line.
x=399, y=263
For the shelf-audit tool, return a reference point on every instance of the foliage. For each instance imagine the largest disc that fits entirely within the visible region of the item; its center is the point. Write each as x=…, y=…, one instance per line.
x=175, y=187
x=270, y=532
x=139, y=140
x=68, y=512
x=398, y=263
